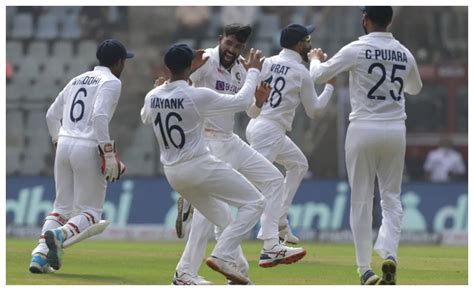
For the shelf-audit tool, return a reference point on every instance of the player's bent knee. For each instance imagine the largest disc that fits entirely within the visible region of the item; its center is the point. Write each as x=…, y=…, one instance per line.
x=260, y=204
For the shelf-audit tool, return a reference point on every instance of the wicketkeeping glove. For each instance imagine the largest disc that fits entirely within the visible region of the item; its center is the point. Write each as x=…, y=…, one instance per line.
x=111, y=166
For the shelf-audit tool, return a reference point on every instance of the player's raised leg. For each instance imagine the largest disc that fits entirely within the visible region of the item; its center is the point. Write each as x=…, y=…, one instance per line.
x=221, y=185
x=296, y=165
x=266, y=177
x=63, y=206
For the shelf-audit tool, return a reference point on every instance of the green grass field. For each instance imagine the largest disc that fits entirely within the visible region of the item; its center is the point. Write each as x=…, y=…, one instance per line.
x=153, y=263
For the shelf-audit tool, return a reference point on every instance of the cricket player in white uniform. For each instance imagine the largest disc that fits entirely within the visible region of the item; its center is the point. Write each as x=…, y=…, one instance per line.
x=86, y=158
x=381, y=71
x=177, y=112
x=292, y=85
x=225, y=73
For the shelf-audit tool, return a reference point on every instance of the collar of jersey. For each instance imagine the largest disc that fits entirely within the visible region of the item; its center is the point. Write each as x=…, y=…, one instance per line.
x=291, y=54
x=178, y=83
x=377, y=34
x=102, y=68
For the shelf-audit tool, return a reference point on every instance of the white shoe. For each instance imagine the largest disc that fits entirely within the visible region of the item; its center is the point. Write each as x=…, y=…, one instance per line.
x=286, y=235
x=280, y=254
x=186, y=279
x=228, y=269
x=39, y=264
x=185, y=213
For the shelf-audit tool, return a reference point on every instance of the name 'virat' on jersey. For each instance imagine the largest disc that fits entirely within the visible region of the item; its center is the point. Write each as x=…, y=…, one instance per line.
x=284, y=73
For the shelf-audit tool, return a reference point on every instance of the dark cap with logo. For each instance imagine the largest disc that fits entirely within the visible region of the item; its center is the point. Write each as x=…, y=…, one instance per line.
x=112, y=50
x=179, y=56
x=378, y=14
x=294, y=33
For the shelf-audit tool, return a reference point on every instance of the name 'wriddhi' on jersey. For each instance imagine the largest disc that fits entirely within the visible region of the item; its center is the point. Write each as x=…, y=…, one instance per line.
x=85, y=106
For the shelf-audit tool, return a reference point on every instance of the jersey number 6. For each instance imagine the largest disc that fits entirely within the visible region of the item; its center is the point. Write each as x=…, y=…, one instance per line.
x=77, y=102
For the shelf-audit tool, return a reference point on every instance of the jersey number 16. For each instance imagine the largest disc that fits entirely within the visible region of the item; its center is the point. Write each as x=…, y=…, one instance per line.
x=170, y=129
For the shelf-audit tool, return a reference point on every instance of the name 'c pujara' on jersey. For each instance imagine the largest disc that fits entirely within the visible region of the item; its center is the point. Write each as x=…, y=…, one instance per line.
x=386, y=55
x=171, y=103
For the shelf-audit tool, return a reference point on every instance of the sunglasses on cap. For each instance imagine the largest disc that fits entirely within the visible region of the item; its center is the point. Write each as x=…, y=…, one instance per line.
x=307, y=38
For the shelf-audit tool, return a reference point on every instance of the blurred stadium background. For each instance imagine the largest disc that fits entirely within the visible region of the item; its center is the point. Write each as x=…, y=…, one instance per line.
x=47, y=46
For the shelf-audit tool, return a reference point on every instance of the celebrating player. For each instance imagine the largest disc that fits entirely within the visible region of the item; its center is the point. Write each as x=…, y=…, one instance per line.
x=224, y=72
x=381, y=71
x=291, y=84
x=177, y=112
x=86, y=157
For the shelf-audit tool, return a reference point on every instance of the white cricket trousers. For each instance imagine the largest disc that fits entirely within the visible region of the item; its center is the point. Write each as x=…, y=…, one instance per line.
x=261, y=173
x=80, y=186
x=269, y=139
x=209, y=185
x=375, y=148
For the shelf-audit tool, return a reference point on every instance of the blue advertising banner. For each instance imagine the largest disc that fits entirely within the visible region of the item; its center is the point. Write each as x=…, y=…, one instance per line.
x=320, y=205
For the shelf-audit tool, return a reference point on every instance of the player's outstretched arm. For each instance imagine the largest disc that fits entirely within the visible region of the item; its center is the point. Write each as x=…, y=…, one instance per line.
x=312, y=103
x=322, y=69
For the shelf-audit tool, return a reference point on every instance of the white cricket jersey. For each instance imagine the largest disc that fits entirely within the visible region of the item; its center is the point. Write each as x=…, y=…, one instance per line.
x=381, y=71
x=291, y=85
x=84, y=108
x=178, y=110
x=214, y=76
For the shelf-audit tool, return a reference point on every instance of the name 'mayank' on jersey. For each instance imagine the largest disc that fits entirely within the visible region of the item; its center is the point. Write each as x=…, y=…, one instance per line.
x=386, y=55
x=169, y=103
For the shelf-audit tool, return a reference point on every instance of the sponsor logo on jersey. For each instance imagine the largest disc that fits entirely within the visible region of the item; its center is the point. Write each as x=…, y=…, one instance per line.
x=237, y=76
x=226, y=87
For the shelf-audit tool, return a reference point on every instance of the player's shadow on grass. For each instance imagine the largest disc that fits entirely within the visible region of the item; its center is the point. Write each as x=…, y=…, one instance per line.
x=94, y=279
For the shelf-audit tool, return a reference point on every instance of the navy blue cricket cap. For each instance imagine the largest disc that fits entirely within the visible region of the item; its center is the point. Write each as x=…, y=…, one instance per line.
x=378, y=14
x=112, y=50
x=179, y=56
x=294, y=33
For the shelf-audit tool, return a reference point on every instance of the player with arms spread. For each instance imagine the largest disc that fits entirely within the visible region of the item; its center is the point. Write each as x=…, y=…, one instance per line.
x=177, y=112
x=381, y=71
x=292, y=85
x=224, y=71
x=86, y=157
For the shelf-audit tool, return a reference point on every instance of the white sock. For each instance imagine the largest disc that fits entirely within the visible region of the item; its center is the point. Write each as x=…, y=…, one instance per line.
x=268, y=244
